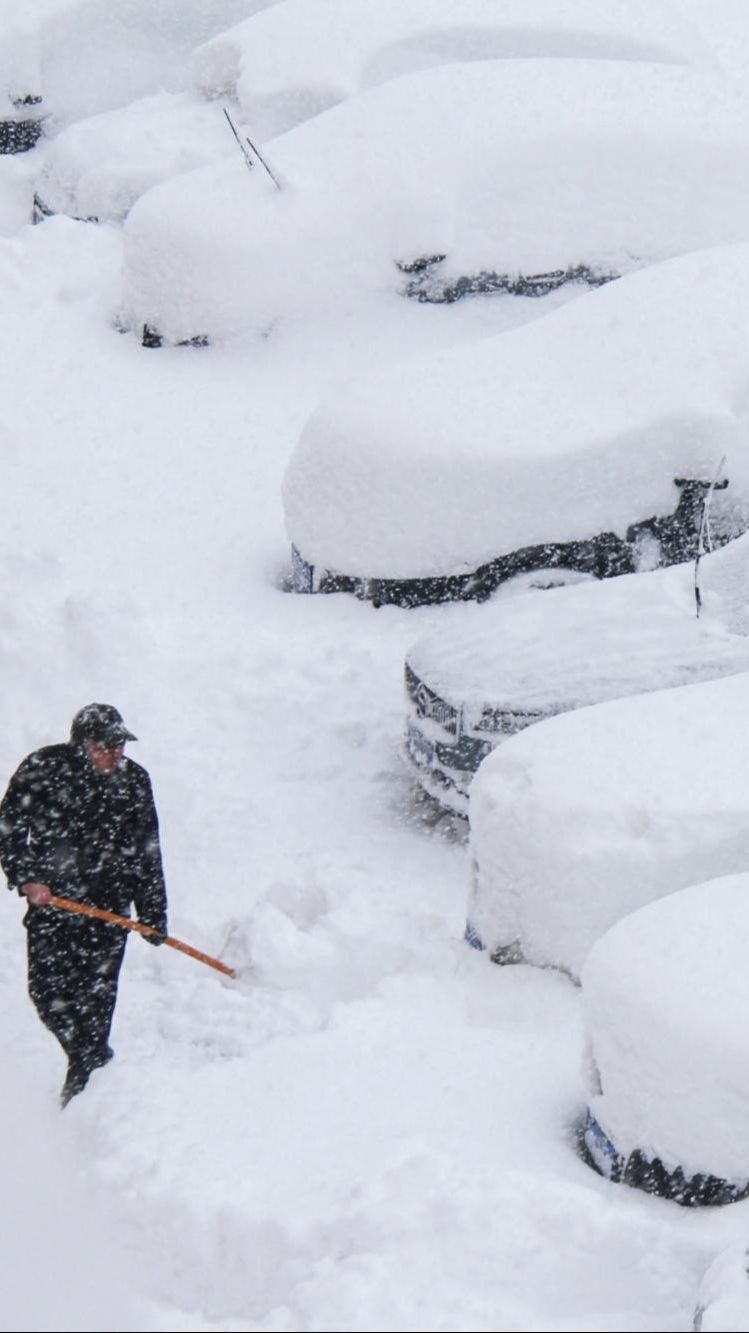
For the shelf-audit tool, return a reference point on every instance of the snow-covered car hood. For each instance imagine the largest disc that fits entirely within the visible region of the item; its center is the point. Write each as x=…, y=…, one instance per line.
x=579, y=645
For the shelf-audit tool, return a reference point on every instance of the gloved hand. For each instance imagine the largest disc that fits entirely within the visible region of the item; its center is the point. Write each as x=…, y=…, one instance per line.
x=37, y=894
x=158, y=938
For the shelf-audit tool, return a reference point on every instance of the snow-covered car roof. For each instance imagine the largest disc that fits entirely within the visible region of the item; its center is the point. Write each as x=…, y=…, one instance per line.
x=665, y=997
x=572, y=424
x=512, y=166
x=299, y=57
x=592, y=641
x=588, y=815
x=98, y=167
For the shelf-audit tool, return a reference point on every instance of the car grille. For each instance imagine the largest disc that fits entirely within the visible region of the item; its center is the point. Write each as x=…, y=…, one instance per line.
x=504, y=721
x=465, y=756
x=429, y=705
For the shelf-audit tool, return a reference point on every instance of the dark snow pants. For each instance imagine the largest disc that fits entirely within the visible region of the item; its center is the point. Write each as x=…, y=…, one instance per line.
x=74, y=966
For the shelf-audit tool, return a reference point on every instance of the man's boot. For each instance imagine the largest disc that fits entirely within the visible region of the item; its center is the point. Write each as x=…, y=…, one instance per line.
x=75, y=1082
x=101, y=1056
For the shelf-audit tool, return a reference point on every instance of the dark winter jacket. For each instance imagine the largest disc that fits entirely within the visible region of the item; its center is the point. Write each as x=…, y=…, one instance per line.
x=92, y=837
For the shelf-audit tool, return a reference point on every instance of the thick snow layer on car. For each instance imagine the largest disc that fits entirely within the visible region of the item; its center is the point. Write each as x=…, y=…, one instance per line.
x=570, y=425
x=586, y=816
x=722, y=1304
x=87, y=56
x=592, y=641
x=98, y=167
x=297, y=58
x=665, y=998
x=510, y=166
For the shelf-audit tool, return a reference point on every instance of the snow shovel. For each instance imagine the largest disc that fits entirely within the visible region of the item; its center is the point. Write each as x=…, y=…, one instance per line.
x=125, y=922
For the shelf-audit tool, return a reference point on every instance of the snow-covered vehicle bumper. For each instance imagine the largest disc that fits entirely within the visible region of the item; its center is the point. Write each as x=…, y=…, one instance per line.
x=660, y=539
x=604, y=556
x=651, y=1174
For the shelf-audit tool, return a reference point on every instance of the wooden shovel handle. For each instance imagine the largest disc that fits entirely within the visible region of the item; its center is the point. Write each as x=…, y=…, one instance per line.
x=83, y=909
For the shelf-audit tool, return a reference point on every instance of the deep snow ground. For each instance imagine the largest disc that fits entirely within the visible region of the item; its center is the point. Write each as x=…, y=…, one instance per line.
x=370, y=1130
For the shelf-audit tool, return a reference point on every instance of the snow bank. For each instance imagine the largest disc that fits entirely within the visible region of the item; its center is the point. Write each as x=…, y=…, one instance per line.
x=640, y=161
x=665, y=997
x=585, y=817
x=300, y=57
x=62, y=1260
x=98, y=167
x=568, y=426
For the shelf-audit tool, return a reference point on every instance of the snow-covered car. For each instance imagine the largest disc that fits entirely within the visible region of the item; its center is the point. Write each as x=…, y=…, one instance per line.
x=300, y=57
x=96, y=168
x=665, y=997
x=556, y=443
x=722, y=1304
x=591, y=814
x=88, y=56
x=500, y=668
x=515, y=175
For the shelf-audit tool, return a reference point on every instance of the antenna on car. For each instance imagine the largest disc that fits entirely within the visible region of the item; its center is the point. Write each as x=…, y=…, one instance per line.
x=248, y=160
x=705, y=531
x=254, y=149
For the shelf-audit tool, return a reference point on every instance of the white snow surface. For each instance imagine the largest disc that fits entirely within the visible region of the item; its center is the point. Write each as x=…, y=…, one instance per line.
x=665, y=995
x=574, y=424
x=589, y=815
x=369, y=1129
x=98, y=167
x=578, y=645
x=87, y=56
x=641, y=160
x=723, y=1297
x=301, y=56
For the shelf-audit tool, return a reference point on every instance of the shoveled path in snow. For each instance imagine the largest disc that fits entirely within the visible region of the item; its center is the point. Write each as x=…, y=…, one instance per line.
x=371, y=1129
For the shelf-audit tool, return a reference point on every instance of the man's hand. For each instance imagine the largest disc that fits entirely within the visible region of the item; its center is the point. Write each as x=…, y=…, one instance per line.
x=159, y=937
x=37, y=894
